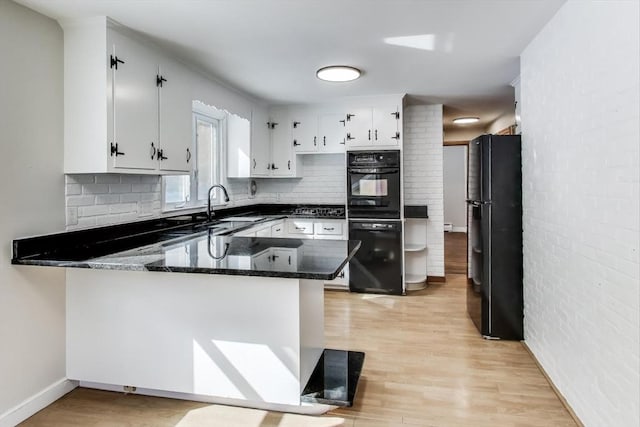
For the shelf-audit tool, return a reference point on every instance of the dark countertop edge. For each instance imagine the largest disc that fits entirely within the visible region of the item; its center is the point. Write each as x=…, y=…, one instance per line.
x=140, y=233
x=231, y=272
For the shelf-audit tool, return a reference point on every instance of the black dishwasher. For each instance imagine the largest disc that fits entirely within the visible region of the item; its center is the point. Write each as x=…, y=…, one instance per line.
x=377, y=266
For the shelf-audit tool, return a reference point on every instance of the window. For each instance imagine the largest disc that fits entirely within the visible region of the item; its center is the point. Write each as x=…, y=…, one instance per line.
x=190, y=191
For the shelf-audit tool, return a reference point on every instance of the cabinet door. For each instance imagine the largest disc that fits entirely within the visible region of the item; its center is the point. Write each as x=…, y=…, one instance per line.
x=305, y=135
x=358, y=127
x=238, y=147
x=331, y=132
x=260, y=151
x=135, y=105
x=262, y=261
x=285, y=259
x=282, y=163
x=385, y=126
x=175, y=118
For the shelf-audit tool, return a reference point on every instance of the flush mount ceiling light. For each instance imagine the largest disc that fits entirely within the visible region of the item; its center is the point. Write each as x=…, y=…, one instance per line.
x=338, y=73
x=465, y=120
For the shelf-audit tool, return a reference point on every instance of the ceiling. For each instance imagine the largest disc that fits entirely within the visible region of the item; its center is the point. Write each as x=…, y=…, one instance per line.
x=461, y=53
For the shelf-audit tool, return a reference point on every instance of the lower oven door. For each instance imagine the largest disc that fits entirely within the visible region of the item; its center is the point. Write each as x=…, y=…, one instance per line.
x=377, y=266
x=373, y=192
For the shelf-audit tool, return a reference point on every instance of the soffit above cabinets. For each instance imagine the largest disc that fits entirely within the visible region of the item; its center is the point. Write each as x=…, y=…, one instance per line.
x=462, y=54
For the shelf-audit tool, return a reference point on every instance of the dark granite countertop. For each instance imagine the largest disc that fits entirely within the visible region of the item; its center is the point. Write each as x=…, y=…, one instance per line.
x=187, y=244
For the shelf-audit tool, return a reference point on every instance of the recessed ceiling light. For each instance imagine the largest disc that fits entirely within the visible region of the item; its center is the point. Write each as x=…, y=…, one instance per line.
x=338, y=73
x=465, y=120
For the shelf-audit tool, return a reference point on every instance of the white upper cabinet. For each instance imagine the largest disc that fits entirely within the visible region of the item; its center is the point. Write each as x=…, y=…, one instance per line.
x=305, y=131
x=283, y=162
x=374, y=126
x=315, y=131
x=331, y=129
x=238, y=147
x=175, y=117
x=260, y=164
x=270, y=151
x=127, y=106
x=133, y=71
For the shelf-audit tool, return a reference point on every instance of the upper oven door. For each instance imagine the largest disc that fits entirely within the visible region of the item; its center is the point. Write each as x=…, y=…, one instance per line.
x=373, y=192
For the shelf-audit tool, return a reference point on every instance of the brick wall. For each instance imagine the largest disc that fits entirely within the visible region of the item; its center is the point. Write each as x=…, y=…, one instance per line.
x=423, y=182
x=580, y=131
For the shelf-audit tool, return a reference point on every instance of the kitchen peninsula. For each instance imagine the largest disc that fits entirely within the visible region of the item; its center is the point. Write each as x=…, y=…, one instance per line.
x=179, y=309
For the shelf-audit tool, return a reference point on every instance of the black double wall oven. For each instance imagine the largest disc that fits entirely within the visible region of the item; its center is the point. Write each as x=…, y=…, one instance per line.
x=373, y=209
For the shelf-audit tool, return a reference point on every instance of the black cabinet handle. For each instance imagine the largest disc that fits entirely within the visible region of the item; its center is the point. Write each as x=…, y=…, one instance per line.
x=273, y=166
x=349, y=116
x=369, y=135
x=324, y=140
x=343, y=122
x=254, y=163
x=153, y=151
x=342, y=275
x=188, y=155
x=314, y=141
x=295, y=143
x=349, y=137
x=115, y=61
x=161, y=155
x=289, y=259
x=295, y=124
x=328, y=229
x=271, y=125
x=289, y=164
x=114, y=150
x=376, y=134
x=342, y=142
x=397, y=136
x=396, y=114
x=160, y=80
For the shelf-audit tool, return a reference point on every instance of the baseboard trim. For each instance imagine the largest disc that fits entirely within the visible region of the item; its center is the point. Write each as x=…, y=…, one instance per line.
x=35, y=403
x=553, y=386
x=436, y=279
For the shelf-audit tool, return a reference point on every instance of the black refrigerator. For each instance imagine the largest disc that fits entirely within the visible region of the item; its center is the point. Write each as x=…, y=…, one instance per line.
x=494, y=241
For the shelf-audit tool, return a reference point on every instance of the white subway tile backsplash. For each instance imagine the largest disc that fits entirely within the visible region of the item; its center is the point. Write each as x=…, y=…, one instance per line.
x=107, y=199
x=80, y=200
x=73, y=189
x=94, y=210
x=120, y=188
x=106, y=178
x=95, y=188
x=123, y=208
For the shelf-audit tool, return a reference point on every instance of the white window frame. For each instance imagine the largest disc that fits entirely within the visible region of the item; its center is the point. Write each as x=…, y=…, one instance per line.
x=217, y=117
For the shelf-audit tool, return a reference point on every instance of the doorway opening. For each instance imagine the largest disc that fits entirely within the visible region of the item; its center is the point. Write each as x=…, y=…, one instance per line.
x=455, y=208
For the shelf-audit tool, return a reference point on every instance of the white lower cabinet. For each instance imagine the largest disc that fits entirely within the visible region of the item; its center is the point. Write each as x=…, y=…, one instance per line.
x=325, y=229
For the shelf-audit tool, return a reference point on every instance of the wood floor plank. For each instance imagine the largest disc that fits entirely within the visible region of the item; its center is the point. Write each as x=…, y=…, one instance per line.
x=425, y=365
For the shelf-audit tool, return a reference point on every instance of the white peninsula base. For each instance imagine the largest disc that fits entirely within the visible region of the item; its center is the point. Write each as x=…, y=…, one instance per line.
x=239, y=340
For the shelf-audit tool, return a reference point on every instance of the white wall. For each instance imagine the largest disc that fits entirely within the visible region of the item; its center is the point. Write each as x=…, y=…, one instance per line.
x=423, y=183
x=455, y=186
x=580, y=130
x=32, y=299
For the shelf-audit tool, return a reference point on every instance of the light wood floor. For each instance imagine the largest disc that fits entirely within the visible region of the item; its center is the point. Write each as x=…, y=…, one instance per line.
x=455, y=253
x=425, y=365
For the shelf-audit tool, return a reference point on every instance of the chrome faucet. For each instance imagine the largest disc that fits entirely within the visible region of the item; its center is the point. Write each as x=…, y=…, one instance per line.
x=226, y=199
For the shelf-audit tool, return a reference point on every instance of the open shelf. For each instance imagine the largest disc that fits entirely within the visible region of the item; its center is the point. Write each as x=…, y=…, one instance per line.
x=415, y=247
